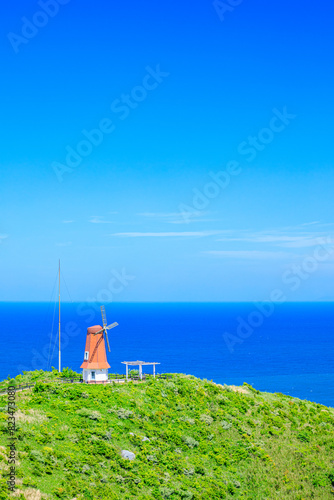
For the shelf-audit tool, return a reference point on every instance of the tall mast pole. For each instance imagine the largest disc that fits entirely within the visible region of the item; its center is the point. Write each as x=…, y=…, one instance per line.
x=59, y=318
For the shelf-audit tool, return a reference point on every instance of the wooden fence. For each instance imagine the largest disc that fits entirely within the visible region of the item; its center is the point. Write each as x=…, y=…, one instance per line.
x=113, y=377
x=18, y=388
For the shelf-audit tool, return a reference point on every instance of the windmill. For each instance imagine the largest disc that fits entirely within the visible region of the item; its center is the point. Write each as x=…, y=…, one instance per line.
x=95, y=365
x=105, y=327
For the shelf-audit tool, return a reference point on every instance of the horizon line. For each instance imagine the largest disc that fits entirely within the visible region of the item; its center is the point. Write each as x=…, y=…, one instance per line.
x=167, y=302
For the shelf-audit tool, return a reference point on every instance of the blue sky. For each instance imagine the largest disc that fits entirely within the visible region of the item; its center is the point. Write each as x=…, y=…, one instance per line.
x=162, y=142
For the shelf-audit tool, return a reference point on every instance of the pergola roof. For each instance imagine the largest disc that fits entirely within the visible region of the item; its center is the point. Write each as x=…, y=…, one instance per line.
x=138, y=363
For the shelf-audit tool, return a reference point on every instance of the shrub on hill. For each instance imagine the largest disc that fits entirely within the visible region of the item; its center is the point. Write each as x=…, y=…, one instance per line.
x=192, y=439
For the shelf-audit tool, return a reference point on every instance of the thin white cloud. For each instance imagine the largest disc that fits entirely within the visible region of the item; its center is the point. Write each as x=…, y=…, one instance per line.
x=297, y=239
x=171, y=234
x=64, y=244
x=158, y=215
x=3, y=237
x=306, y=242
x=98, y=219
x=248, y=254
x=182, y=221
x=326, y=224
x=269, y=238
x=176, y=217
x=67, y=221
x=311, y=223
x=299, y=227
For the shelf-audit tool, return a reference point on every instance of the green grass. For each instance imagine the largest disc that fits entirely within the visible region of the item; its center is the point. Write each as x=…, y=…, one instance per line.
x=205, y=441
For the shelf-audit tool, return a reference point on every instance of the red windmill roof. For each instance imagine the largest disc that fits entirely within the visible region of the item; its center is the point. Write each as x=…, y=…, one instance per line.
x=96, y=347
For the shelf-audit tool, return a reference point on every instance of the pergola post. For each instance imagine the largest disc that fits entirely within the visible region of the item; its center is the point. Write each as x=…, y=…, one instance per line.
x=140, y=364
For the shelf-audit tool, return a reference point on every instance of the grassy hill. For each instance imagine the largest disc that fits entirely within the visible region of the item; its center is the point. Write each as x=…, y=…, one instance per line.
x=192, y=439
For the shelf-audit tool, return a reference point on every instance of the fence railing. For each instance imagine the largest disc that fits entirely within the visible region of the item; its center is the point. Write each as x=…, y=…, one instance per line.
x=18, y=388
x=69, y=380
x=113, y=377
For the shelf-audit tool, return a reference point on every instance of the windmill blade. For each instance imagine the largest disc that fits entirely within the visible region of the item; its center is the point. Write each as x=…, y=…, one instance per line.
x=109, y=327
x=104, y=317
x=106, y=334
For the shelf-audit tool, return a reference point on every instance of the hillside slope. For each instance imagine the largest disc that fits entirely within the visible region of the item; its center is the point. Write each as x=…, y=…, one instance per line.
x=192, y=439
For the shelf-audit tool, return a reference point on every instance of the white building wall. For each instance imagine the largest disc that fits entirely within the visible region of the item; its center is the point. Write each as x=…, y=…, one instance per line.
x=100, y=375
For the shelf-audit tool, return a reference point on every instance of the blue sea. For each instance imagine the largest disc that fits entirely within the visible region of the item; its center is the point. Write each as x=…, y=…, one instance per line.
x=286, y=348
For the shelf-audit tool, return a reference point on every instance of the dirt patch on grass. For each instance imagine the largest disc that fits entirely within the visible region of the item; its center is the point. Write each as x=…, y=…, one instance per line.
x=31, y=494
x=32, y=416
x=234, y=388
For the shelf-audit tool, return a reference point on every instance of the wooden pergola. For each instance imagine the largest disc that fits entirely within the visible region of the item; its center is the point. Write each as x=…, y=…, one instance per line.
x=140, y=364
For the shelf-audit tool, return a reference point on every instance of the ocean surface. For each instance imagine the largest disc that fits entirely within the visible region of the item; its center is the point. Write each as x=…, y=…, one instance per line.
x=286, y=348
